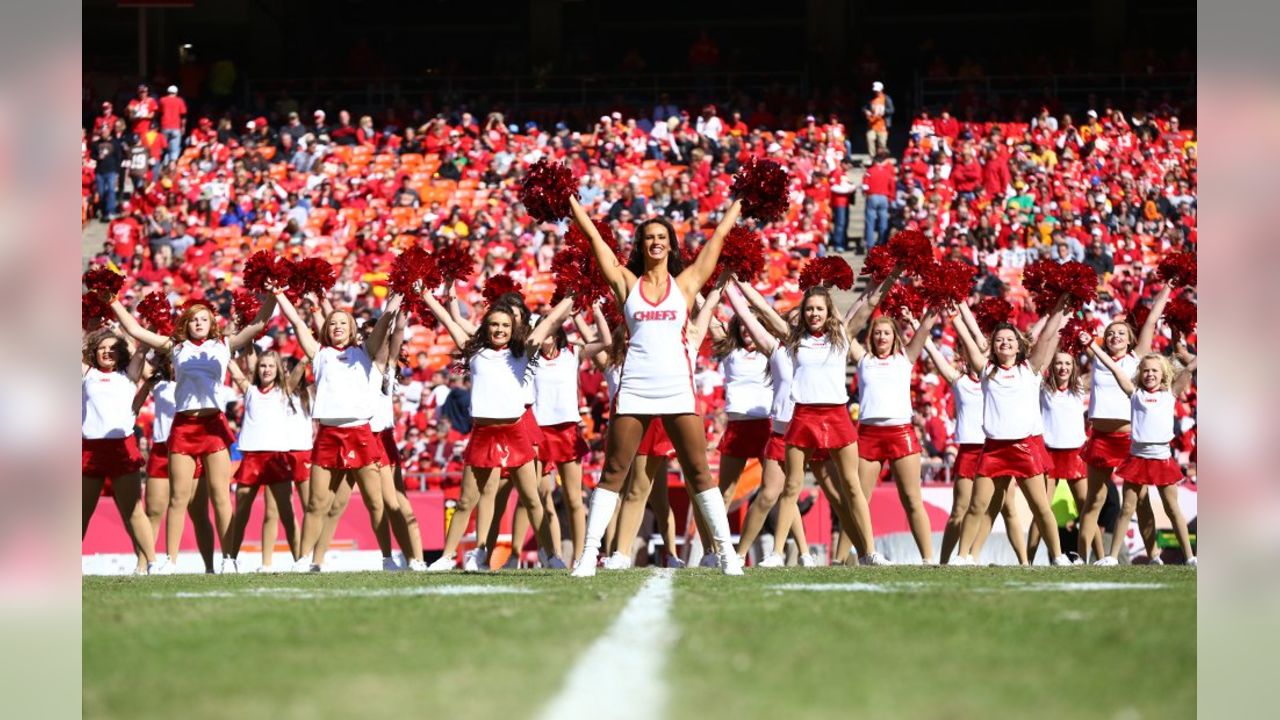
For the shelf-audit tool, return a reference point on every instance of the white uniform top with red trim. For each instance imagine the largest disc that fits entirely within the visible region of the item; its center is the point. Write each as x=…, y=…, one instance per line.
x=1010, y=402
x=1063, y=415
x=200, y=369
x=106, y=405
x=747, y=394
x=163, y=405
x=967, y=393
x=819, y=372
x=657, y=374
x=1153, y=423
x=1107, y=401
x=384, y=413
x=301, y=433
x=265, y=427
x=342, y=386
x=555, y=382
x=497, y=384
x=884, y=389
x=782, y=371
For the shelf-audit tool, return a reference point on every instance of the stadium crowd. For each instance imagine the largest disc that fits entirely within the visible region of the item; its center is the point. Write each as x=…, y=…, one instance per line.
x=187, y=199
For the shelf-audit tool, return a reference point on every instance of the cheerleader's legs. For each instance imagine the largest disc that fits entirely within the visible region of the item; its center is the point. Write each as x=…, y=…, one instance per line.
x=822, y=473
x=981, y=501
x=217, y=468
x=1091, y=494
x=324, y=485
x=625, y=433
x=1169, y=496
x=394, y=514
x=961, y=494
x=526, y=478
x=663, y=518
x=906, y=475
x=854, y=499
x=688, y=436
x=337, y=507
x=772, y=480
x=550, y=516
x=182, y=485
x=635, y=497
x=412, y=533
x=1033, y=532
x=788, y=520
x=1033, y=489
x=279, y=500
x=198, y=511
x=571, y=490
x=1147, y=522
x=245, y=495
x=127, y=492
x=91, y=490
x=730, y=471
x=468, y=497
x=1128, y=505
x=496, y=509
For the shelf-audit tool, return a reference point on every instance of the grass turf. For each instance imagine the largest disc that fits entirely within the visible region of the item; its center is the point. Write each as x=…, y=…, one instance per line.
x=881, y=642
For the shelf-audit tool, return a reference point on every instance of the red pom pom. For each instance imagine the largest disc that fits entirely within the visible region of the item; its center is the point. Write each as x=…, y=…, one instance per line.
x=1180, y=315
x=546, y=191
x=1047, y=281
x=453, y=263
x=879, y=263
x=264, y=268
x=499, y=285
x=103, y=282
x=946, y=283
x=612, y=315
x=1139, y=316
x=1080, y=283
x=245, y=306
x=1069, y=336
x=742, y=254
x=761, y=185
x=312, y=275
x=94, y=311
x=1178, y=269
x=156, y=312
x=575, y=270
x=899, y=299
x=912, y=250
x=832, y=271
x=990, y=312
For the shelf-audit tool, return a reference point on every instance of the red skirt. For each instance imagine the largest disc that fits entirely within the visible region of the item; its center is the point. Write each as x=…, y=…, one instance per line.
x=345, y=448
x=1144, y=471
x=500, y=446
x=1066, y=464
x=390, y=453
x=776, y=450
x=109, y=457
x=821, y=427
x=561, y=443
x=879, y=443
x=301, y=465
x=265, y=467
x=967, y=458
x=158, y=462
x=198, y=436
x=746, y=438
x=1037, y=442
x=1107, y=450
x=1010, y=458
x=529, y=424
x=655, y=442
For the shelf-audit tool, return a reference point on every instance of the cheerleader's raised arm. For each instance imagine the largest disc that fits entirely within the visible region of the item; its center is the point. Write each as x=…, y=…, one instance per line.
x=693, y=277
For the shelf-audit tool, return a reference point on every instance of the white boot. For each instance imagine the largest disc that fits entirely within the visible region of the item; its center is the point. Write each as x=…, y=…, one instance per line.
x=711, y=503
x=603, y=503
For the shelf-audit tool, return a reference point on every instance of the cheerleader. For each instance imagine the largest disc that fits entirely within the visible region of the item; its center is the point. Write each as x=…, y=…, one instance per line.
x=301, y=434
x=1062, y=407
x=655, y=381
x=966, y=393
x=267, y=457
x=1153, y=391
x=108, y=449
x=199, y=354
x=1109, y=426
x=344, y=450
x=648, y=477
x=1011, y=378
x=885, y=432
x=400, y=519
x=497, y=358
x=748, y=399
x=159, y=387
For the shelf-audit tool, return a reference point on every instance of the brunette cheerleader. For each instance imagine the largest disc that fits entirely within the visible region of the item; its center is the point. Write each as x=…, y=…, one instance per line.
x=1109, y=421
x=345, y=451
x=966, y=393
x=1011, y=378
x=267, y=457
x=655, y=381
x=497, y=357
x=108, y=449
x=1153, y=391
x=159, y=387
x=1062, y=407
x=400, y=518
x=199, y=354
x=885, y=431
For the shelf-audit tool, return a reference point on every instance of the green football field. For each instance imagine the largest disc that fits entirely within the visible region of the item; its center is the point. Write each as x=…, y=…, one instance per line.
x=896, y=642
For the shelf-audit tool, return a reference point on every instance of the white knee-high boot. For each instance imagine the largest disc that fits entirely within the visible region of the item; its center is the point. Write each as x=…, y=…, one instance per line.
x=603, y=503
x=711, y=503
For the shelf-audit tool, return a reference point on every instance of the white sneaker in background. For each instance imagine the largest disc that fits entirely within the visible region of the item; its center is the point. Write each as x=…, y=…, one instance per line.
x=1194, y=562
x=617, y=561
x=773, y=561
x=444, y=563
x=586, y=565
x=730, y=564
x=230, y=566
x=162, y=566
x=302, y=564
x=265, y=569
x=1107, y=561
x=960, y=561
x=1155, y=559
x=1062, y=561
x=874, y=558
x=475, y=560
x=417, y=566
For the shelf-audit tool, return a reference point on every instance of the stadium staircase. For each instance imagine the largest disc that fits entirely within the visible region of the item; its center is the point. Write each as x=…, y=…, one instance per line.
x=857, y=232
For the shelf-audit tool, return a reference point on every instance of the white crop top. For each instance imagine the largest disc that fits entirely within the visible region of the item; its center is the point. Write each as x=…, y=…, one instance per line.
x=265, y=427
x=747, y=394
x=1107, y=401
x=967, y=393
x=199, y=369
x=342, y=386
x=1063, y=415
x=162, y=403
x=497, y=384
x=555, y=382
x=1010, y=402
x=819, y=373
x=884, y=389
x=106, y=405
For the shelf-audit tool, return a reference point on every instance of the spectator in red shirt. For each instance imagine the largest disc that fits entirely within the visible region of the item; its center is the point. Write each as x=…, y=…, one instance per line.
x=105, y=124
x=142, y=110
x=173, y=123
x=879, y=184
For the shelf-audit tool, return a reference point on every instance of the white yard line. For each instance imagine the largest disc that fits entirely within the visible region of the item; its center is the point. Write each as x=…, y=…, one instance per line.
x=624, y=669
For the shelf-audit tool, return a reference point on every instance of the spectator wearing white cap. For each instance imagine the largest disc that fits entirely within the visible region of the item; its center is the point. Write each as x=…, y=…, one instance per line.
x=879, y=112
x=173, y=123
